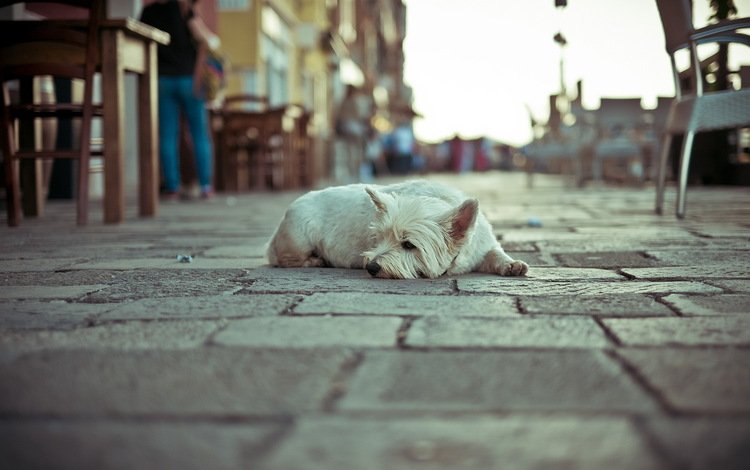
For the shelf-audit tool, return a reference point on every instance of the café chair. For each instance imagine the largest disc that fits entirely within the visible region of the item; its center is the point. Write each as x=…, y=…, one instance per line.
x=696, y=109
x=241, y=144
x=53, y=49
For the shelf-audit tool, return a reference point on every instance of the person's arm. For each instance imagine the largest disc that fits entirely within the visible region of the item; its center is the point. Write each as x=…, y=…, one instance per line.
x=206, y=40
x=202, y=34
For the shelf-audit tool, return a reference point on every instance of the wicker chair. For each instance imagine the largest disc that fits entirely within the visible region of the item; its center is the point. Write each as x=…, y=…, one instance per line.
x=696, y=110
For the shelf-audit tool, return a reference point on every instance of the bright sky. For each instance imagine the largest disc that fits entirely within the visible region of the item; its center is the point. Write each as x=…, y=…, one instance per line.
x=475, y=65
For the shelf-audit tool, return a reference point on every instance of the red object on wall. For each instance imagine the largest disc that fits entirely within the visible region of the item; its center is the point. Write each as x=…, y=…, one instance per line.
x=56, y=11
x=457, y=151
x=207, y=10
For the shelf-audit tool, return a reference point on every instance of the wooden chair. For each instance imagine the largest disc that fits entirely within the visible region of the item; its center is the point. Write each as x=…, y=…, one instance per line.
x=277, y=167
x=240, y=142
x=37, y=49
x=259, y=146
x=695, y=110
x=303, y=145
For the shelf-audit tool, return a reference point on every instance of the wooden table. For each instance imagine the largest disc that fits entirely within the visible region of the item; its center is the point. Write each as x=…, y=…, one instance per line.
x=130, y=46
x=127, y=46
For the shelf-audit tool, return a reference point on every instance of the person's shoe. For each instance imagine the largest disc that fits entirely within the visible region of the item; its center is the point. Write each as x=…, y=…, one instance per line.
x=170, y=197
x=207, y=194
x=188, y=194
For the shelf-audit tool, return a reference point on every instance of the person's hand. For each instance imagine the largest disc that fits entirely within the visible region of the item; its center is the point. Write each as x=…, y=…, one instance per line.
x=213, y=42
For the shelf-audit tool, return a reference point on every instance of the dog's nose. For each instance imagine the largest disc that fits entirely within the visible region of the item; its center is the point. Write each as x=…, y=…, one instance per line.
x=373, y=268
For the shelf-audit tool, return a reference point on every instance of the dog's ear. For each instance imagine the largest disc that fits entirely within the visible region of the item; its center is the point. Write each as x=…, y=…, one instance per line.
x=377, y=199
x=461, y=219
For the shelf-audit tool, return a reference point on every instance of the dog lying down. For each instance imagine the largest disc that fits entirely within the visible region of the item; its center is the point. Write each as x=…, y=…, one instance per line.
x=401, y=231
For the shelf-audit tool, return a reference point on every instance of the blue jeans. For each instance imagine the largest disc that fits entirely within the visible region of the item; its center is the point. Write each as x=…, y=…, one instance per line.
x=175, y=96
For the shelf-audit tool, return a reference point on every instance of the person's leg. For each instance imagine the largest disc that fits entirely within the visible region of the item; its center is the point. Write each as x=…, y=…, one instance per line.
x=197, y=117
x=169, y=128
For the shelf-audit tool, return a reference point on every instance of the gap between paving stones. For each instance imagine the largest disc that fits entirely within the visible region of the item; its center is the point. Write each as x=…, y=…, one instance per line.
x=340, y=382
x=642, y=382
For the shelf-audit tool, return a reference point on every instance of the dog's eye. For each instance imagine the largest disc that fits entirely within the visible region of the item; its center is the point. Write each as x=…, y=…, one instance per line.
x=407, y=245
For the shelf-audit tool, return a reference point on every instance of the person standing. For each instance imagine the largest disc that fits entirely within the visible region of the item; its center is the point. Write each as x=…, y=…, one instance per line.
x=402, y=144
x=180, y=92
x=351, y=129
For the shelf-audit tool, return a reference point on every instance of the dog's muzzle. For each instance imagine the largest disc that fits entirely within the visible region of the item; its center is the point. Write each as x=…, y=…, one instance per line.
x=373, y=268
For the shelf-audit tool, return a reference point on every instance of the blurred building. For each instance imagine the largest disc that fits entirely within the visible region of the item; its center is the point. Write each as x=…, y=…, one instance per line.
x=618, y=140
x=301, y=52
x=306, y=51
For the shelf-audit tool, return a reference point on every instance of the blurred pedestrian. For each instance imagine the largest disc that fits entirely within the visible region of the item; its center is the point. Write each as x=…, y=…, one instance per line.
x=180, y=91
x=374, y=164
x=351, y=127
x=401, y=152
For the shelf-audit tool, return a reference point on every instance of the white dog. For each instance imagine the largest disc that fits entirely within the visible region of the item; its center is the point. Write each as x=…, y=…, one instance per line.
x=404, y=231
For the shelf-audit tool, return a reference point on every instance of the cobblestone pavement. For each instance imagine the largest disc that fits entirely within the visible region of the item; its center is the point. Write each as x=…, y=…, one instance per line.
x=627, y=346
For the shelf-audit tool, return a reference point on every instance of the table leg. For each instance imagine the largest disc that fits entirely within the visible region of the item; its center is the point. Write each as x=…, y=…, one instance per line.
x=113, y=100
x=148, y=108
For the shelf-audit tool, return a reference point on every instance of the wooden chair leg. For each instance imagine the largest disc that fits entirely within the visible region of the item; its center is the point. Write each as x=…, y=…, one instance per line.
x=13, y=191
x=82, y=202
x=12, y=175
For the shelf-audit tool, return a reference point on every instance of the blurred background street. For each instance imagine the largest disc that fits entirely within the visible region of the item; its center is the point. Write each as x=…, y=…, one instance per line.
x=607, y=142
x=626, y=346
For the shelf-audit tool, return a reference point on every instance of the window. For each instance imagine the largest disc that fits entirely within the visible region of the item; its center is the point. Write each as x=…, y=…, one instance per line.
x=276, y=56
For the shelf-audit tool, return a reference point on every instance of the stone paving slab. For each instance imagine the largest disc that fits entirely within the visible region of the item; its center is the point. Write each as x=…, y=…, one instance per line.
x=547, y=213
x=125, y=336
x=607, y=259
x=60, y=278
x=734, y=330
x=635, y=232
x=691, y=272
x=732, y=285
x=50, y=292
x=309, y=332
x=701, y=257
x=111, y=252
x=534, y=259
x=220, y=382
x=697, y=380
x=568, y=274
x=41, y=264
x=617, y=305
x=520, y=247
x=212, y=306
x=159, y=283
x=725, y=230
x=493, y=381
x=171, y=263
x=539, y=332
x=525, y=236
x=526, y=286
x=514, y=442
x=256, y=250
x=125, y=445
x=53, y=315
x=703, y=443
x=738, y=244
x=710, y=304
x=356, y=303
x=311, y=280
x=585, y=244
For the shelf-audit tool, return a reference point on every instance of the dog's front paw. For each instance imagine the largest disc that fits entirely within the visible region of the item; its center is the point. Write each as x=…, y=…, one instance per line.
x=513, y=268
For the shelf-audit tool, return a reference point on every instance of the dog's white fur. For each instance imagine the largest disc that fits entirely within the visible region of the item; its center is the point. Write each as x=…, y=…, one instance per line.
x=406, y=230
